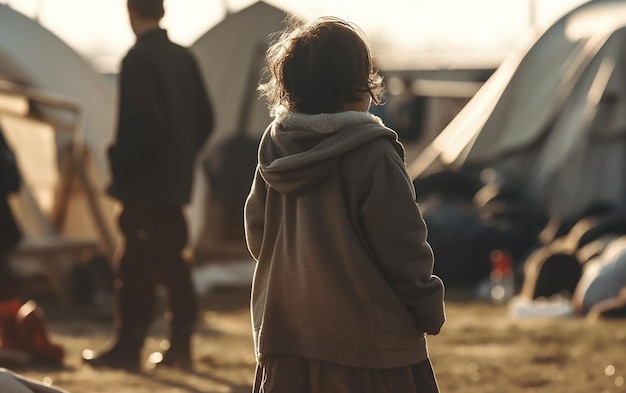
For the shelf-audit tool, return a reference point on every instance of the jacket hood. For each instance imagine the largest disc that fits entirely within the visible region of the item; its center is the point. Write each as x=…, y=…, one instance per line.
x=298, y=150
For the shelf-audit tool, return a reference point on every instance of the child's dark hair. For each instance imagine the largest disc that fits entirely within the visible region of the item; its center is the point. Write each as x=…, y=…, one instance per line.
x=317, y=67
x=149, y=9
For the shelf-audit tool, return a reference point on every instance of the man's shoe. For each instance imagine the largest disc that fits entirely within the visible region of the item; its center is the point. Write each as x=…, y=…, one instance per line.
x=171, y=359
x=116, y=358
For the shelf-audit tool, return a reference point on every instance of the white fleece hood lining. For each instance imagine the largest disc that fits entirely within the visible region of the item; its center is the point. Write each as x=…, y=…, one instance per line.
x=324, y=123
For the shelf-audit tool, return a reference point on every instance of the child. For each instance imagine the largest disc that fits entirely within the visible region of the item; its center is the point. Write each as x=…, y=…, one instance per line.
x=343, y=291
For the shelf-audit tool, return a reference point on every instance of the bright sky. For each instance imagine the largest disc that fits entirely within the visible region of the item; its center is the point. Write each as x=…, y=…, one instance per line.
x=99, y=28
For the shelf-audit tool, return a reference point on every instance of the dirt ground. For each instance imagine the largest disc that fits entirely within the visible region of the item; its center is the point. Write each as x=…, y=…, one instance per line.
x=480, y=349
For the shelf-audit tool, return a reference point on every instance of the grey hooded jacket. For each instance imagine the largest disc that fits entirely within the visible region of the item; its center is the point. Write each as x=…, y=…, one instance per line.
x=344, y=272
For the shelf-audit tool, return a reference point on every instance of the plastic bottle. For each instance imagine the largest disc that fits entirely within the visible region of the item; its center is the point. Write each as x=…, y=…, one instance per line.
x=501, y=277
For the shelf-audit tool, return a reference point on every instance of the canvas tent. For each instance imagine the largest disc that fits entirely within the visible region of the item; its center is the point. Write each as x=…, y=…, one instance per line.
x=551, y=120
x=56, y=112
x=31, y=55
x=231, y=57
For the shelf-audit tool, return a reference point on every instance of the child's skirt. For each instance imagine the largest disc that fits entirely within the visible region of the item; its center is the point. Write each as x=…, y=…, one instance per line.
x=295, y=374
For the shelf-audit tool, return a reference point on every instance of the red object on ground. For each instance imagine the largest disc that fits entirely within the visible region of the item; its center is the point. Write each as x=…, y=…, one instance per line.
x=8, y=311
x=22, y=328
x=501, y=264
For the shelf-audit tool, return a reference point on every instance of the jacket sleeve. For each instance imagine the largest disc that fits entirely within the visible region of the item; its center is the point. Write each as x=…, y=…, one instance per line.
x=254, y=215
x=141, y=116
x=397, y=235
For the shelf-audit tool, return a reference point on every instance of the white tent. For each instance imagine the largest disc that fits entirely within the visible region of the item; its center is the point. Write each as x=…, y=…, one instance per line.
x=231, y=57
x=552, y=119
x=57, y=113
x=33, y=56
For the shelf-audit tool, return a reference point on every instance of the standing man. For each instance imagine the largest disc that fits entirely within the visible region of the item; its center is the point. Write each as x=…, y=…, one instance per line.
x=165, y=117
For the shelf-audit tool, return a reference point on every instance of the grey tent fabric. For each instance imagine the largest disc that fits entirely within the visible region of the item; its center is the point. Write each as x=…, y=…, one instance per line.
x=585, y=149
x=225, y=54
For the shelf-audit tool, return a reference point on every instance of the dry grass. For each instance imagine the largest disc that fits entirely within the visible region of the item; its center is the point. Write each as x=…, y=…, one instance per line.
x=479, y=350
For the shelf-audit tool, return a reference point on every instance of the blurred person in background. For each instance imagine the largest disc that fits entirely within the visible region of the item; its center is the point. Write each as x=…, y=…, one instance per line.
x=10, y=234
x=165, y=117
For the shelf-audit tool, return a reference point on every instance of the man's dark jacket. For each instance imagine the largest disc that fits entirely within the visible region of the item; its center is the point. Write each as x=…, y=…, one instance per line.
x=165, y=117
